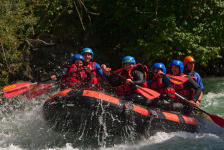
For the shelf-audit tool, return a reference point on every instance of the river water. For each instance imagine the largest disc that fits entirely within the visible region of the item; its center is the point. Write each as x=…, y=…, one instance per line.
x=22, y=127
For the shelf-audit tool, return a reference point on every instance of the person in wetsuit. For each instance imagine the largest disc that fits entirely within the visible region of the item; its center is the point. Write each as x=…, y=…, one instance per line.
x=74, y=75
x=125, y=79
x=189, y=89
x=96, y=73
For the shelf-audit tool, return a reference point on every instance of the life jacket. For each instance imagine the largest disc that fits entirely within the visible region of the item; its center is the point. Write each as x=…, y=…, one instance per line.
x=158, y=85
x=127, y=89
x=192, y=75
x=75, y=77
x=95, y=78
x=183, y=91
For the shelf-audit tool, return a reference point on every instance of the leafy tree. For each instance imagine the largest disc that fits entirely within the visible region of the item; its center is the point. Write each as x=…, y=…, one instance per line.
x=151, y=31
x=16, y=25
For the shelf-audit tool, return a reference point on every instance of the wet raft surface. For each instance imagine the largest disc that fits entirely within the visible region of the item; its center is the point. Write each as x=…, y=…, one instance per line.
x=95, y=117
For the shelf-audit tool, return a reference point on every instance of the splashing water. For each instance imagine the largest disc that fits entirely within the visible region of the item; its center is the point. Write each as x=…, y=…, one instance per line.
x=22, y=127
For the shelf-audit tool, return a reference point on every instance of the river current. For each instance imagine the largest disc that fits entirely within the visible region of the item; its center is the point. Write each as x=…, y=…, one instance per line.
x=22, y=127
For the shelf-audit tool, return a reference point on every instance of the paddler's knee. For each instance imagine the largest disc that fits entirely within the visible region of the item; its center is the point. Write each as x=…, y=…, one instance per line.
x=137, y=98
x=178, y=106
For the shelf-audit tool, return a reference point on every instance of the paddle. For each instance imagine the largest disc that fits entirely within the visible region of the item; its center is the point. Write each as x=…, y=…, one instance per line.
x=178, y=79
x=37, y=90
x=31, y=89
x=218, y=120
x=15, y=89
x=40, y=89
x=146, y=92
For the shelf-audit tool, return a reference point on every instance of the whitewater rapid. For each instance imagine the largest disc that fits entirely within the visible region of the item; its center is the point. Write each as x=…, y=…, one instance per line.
x=22, y=127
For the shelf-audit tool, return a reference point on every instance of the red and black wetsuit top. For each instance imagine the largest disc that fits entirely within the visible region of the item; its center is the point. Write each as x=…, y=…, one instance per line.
x=163, y=86
x=190, y=89
x=138, y=74
x=94, y=81
x=75, y=77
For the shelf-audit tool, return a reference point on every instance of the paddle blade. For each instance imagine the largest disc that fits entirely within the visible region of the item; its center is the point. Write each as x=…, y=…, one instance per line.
x=218, y=120
x=148, y=93
x=178, y=79
x=15, y=89
x=37, y=90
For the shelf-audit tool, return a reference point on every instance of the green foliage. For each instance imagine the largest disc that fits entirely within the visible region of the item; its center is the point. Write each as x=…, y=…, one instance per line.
x=151, y=31
x=16, y=25
x=164, y=30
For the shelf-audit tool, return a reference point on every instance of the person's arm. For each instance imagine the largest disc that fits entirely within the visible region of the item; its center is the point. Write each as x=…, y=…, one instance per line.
x=60, y=74
x=166, y=81
x=192, y=84
x=98, y=70
x=138, y=77
x=199, y=80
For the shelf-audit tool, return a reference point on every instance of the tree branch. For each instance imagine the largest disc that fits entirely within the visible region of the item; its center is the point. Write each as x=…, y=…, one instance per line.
x=41, y=42
x=81, y=2
x=80, y=18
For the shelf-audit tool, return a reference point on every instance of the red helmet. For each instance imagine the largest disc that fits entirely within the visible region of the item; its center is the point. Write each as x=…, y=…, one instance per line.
x=188, y=59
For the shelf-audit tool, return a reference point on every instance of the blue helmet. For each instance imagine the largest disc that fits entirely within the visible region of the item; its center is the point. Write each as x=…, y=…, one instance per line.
x=77, y=56
x=87, y=50
x=178, y=63
x=128, y=59
x=159, y=66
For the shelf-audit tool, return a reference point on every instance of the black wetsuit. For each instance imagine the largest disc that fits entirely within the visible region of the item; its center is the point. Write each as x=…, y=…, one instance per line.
x=191, y=84
x=138, y=79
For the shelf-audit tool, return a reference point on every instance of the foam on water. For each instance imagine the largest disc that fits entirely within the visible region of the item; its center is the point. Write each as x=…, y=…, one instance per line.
x=213, y=99
x=214, y=103
x=68, y=146
x=175, y=140
x=24, y=128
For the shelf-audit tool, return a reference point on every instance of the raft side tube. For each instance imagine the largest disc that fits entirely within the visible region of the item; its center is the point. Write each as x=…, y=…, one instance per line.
x=142, y=110
x=90, y=100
